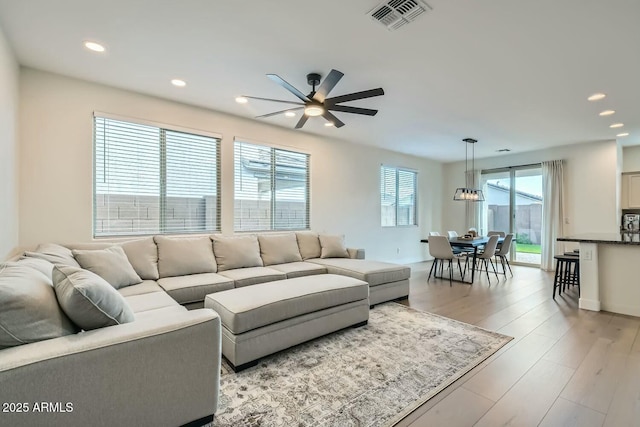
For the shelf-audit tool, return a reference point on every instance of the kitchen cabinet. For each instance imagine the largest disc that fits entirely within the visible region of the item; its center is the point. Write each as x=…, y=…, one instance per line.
x=630, y=197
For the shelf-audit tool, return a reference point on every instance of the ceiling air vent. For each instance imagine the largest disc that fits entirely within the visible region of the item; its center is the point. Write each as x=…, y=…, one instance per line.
x=393, y=14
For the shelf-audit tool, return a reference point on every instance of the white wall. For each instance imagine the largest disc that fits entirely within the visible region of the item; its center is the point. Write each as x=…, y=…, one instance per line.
x=631, y=159
x=9, y=83
x=56, y=167
x=591, y=184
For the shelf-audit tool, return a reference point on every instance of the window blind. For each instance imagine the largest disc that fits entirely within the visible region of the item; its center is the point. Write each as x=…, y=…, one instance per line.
x=154, y=180
x=397, y=196
x=271, y=188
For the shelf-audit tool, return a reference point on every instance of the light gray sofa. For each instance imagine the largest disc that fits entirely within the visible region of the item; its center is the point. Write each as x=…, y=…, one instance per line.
x=127, y=374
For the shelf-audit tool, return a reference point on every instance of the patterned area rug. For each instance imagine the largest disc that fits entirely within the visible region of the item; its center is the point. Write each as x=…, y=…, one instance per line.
x=368, y=376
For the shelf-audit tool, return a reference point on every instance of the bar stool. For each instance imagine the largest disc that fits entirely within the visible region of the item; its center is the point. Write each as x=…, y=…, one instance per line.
x=567, y=273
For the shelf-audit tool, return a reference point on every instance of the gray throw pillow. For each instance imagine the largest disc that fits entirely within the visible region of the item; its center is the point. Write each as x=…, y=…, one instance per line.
x=36, y=263
x=309, y=244
x=236, y=252
x=332, y=246
x=111, y=264
x=88, y=299
x=279, y=248
x=29, y=311
x=54, y=253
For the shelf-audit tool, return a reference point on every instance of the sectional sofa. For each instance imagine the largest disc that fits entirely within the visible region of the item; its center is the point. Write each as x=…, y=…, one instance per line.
x=150, y=342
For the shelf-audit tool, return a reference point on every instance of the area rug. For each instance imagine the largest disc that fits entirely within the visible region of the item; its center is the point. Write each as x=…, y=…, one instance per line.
x=368, y=376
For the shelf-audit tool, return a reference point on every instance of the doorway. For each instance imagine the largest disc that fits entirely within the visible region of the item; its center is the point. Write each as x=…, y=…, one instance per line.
x=513, y=204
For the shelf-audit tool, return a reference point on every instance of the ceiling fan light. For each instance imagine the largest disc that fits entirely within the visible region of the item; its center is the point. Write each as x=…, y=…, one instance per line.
x=313, y=110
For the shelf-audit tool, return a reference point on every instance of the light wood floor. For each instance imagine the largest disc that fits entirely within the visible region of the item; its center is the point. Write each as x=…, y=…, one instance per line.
x=565, y=367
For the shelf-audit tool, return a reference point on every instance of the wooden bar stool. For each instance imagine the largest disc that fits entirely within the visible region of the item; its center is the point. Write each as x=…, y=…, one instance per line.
x=567, y=273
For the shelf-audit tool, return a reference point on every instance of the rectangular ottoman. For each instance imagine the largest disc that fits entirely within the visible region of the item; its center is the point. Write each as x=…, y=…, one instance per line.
x=263, y=319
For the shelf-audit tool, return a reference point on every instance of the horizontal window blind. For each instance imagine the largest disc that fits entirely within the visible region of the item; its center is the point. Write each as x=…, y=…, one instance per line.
x=397, y=196
x=152, y=180
x=271, y=188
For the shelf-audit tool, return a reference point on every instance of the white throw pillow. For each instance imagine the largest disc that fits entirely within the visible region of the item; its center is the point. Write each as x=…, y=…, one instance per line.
x=236, y=252
x=332, y=246
x=29, y=311
x=54, y=253
x=309, y=244
x=111, y=264
x=88, y=299
x=179, y=256
x=279, y=248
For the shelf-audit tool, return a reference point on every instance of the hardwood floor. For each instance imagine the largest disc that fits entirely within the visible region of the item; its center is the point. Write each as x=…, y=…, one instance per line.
x=565, y=366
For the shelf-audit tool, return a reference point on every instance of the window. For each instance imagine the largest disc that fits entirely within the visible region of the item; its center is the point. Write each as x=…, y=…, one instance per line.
x=154, y=180
x=271, y=188
x=397, y=196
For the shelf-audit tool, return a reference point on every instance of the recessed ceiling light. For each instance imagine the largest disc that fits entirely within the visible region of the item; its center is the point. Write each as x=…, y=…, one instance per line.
x=241, y=100
x=290, y=114
x=329, y=124
x=596, y=97
x=96, y=47
x=178, y=82
x=616, y=125
x=623, y=134
x=607, y=112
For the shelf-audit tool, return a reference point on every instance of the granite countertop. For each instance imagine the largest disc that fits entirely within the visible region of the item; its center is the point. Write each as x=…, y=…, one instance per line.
x=623, y=238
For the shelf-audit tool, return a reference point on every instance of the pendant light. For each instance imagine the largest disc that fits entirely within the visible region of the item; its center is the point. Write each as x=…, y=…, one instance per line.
x=469, y=193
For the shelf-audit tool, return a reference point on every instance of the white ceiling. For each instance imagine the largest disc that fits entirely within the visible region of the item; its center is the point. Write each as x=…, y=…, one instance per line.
x=512, y=74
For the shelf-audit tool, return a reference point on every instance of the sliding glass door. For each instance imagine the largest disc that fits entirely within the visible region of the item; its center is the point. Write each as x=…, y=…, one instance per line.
x=513, y=204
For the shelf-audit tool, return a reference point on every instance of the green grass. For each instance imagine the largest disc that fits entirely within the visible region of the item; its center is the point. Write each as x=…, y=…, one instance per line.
x=527, y=248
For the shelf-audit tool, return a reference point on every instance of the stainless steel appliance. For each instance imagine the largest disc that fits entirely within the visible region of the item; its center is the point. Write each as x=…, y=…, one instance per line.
x=631, y=222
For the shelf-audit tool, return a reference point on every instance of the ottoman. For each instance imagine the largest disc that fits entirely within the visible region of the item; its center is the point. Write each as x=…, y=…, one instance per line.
x=263, y=319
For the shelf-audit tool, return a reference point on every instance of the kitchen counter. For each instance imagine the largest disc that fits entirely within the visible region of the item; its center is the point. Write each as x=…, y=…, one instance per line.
x=608, y=271
x=623, y=238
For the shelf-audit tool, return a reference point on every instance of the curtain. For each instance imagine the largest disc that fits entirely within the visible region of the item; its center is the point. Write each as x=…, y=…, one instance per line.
x=552, y=211
x=472, y=209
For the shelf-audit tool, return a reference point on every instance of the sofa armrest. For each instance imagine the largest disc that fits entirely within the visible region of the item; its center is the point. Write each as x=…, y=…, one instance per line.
x=162, y=371
x=355, y=253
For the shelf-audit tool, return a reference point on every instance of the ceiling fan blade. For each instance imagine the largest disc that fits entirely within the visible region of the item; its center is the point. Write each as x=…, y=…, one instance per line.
x=278, y=112
x=302, y=121
x=333, y=119
x=353, y=110
x=279, y=80
x=354, y=96
x=274, y=100
x=327, y=84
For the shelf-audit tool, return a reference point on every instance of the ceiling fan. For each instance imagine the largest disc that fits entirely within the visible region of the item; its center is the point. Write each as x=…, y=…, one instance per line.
x=316, y=102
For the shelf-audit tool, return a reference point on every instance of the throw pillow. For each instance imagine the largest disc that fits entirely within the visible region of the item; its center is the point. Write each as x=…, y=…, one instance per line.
x=88, y=299
x=236, y=252
x=55, y=254
x=279, y=248
x=143, y=255
x=332, y=246
x=309, y=244
x=39, y=264
x=29, y=311
x=179, y=256
x=111, y=264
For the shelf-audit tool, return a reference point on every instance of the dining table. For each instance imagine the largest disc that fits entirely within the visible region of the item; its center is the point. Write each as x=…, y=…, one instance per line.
x=467, y=243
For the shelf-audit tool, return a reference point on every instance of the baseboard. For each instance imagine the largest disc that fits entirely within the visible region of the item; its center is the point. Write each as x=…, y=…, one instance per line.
x=589, y=304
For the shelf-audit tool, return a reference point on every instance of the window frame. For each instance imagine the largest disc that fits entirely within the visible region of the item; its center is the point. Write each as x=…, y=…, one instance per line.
x=162, y=182
x=398, y=170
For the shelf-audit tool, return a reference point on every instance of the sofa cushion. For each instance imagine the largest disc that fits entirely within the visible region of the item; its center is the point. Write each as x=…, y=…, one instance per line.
x=110, y=263
x=160, y=313
x=145, y=287
x=43, y=266
x=150, y=301
x=309, y=244
x=29, y=310
x=88, y=299
x=242, y=310
x=373, y=272
x=279, y=248
x=332, y=246
x=236, y=252
x=178, y=256
x=194, y=287
x=299, y=269
x=253, y=275
x=54, y=253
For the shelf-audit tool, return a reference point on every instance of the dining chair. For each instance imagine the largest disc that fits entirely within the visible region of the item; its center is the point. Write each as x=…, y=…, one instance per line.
x=496, y=233
x=486, y=256
x=440, y=250
x=503, y=251
x=452, y=234
x=434, y=233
